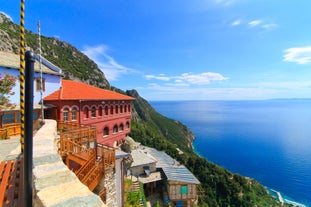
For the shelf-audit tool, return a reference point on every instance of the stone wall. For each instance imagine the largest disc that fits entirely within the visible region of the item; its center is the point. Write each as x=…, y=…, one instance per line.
x=54, y=184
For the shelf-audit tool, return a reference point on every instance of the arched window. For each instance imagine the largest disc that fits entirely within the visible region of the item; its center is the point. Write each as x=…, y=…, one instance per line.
x=117, y=109
x=100, y=111
x=127, y=125
x=106, y=110
x=125, y=109
x=121, y=109
x=115, y=129
x=121, y=128
x=111, y=110
x=65, y=114
x=129, y=108
x=86, y=112
x=93, y=111
x=106, y=131
x=74, y=114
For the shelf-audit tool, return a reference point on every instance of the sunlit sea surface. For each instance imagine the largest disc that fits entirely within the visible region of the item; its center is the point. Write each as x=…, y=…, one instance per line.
x=266, y=140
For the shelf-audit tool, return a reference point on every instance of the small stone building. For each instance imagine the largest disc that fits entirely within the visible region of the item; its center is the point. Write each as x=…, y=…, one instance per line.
x=155, y=168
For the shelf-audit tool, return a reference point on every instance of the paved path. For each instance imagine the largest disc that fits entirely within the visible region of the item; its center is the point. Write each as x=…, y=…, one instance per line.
x=9, y=149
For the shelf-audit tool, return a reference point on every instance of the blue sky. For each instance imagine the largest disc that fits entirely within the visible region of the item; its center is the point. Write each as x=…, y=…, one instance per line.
x=186, y=49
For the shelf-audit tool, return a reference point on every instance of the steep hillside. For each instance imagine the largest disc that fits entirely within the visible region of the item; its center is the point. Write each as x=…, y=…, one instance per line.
x=75, y=65
x=219, y=186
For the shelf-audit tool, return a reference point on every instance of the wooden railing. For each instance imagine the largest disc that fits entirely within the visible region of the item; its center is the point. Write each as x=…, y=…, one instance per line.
x=75, y=138
x=92, y=178
x=107, y=157
x=8, y=131
x=82, y=171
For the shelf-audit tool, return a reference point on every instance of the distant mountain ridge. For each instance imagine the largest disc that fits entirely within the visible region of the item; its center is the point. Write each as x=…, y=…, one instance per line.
x=219, y=186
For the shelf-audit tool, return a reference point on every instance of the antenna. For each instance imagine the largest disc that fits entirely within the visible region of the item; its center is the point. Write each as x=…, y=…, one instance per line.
x=40, y=65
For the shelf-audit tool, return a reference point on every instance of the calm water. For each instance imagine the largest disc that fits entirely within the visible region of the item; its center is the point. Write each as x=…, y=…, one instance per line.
x=266, y=140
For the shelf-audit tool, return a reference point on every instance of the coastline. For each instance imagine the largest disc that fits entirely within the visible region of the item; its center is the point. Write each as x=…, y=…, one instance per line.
x=284, y=199
x=276, y=194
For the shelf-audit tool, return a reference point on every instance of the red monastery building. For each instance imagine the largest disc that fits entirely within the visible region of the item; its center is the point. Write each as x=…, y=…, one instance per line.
x=84, y=104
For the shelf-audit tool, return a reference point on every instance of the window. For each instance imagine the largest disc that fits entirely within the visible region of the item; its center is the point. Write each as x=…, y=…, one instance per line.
x=106, y=131
x=8, y=118
x=93, y=112
x=129, y=108
x=74, y=114
x=127, y=125
x=184, y=189
x=125, y=109
x=106, y=110
x=100, y=111
x=115, y=129
x=38, y=83
x=111, y=110
x=65, y=115
x=86, y=112
x=117, y=109
x=121, y=127
x=121, y=109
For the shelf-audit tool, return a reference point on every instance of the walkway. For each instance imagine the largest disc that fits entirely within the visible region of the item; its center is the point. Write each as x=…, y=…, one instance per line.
x=9, y=148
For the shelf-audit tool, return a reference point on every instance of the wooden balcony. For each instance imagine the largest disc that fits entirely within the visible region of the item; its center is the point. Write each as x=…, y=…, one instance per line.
x=89, y=161
x=75, y=138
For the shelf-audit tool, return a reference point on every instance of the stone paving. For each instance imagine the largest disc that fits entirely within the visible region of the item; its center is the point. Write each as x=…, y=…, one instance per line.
x=9, y=148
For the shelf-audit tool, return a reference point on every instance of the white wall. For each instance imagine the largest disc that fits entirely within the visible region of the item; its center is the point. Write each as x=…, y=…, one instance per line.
x=52, y=83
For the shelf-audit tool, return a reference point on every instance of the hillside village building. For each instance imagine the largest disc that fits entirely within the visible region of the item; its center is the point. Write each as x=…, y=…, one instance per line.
x=51, y=79
x=157, y=169
x=101, y=116
x=83, y=104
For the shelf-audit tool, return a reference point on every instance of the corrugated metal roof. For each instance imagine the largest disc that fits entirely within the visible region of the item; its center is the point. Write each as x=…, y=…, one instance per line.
x=171, y=168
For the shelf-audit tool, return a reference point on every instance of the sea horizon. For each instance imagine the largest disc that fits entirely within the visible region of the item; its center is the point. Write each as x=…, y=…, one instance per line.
x=266, y=140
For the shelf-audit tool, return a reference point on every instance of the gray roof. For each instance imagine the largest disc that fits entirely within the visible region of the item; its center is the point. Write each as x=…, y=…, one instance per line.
x=11, y=60
x=140, y=158
x=171, y=168
x=121, y=154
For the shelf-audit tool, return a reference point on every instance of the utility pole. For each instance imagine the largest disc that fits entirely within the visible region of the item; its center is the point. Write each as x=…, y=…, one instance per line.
x=40, y=65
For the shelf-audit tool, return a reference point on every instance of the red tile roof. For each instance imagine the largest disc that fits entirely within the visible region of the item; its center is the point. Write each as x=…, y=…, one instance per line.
x=73, y=90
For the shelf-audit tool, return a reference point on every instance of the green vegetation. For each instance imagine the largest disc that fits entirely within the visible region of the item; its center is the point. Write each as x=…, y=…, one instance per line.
x=220, y=187
x=133, y=198
x=6, y=85
x=75, y=64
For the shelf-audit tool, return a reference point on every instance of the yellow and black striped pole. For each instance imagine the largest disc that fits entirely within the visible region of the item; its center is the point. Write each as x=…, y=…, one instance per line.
x=22, y=73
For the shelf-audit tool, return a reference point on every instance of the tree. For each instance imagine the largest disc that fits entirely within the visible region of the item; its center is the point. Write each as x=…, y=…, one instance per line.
x=6, y=85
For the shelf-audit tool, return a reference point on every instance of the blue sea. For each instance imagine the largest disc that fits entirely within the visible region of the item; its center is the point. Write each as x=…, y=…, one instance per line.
x=268, y=140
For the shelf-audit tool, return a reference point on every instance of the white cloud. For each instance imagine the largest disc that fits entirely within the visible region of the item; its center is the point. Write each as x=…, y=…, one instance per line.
x=269, y=26
x=300, y=55
x=188, y=78
x=202, y=79
x=105, y=62
x=236, y=22
x=8, y=16
x=159, y=77
x=255, y=23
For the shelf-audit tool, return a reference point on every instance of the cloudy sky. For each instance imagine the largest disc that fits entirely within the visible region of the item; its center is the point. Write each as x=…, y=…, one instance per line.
x=186, y=49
